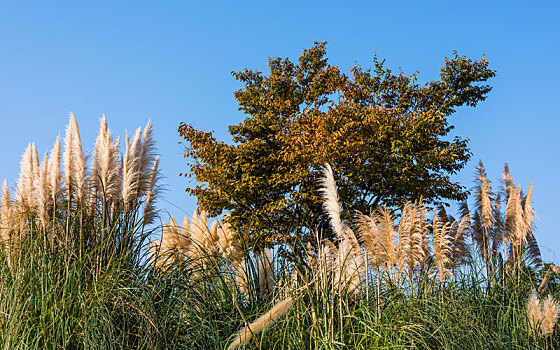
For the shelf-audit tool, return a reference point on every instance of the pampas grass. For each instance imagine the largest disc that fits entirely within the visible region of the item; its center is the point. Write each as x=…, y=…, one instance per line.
x=96, y=283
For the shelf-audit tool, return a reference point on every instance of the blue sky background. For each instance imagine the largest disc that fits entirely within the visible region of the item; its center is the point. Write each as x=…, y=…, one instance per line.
x=171, y=62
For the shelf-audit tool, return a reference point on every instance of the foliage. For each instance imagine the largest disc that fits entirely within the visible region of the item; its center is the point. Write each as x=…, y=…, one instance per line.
x=386, y=136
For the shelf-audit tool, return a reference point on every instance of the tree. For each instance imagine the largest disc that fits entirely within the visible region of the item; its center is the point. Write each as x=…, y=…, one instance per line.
x=385, y=136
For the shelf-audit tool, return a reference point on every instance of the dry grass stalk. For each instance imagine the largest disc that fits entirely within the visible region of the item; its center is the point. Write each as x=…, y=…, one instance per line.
x=262, y=323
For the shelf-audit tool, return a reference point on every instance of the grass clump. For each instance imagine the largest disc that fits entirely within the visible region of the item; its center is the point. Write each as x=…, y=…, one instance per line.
x=81, y=268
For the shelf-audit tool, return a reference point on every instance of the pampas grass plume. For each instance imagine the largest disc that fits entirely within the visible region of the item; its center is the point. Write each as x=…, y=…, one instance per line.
x=331, y=203
x=534, y=311
x=24, y=194
x=131, y=167
x=5, y=214
x=262, y=323
x=54, y=171
x=550, y=313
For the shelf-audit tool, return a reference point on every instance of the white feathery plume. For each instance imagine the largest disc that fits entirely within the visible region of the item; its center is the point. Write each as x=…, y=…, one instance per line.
x=147, y=157
x=198, y=229
x=415, y=254
x=54, y=172
x=262, y=323
x=167, y=250
x=119, y=173
x=387, y=235
x=350, y=259
x=404, y=230
x=79, y=159
x=174, y=234
x=550, y=313
x=460, y=249
x=41, y=192
x=486, y=215
x=424, y=228
x=328, y=261
x=542, y=314
x=507, y=180
x=371, y=237
x=212, y=239
x=330, y=201
x=151, y=193
x=131, y=167
x=534, y=312
x=74, y=160
x=528, y=214
x=24, y=193
x=520, y=233
x=69, y=158
x=185, y=236
x=351, y=267
x=104, y=164
x=333, y=207
x=442, y=246
x=203, y=219
x=5, y=215
x=510, y=216
x=35, y=160
x=227, y=244
x=485, y=212
x=99, y=150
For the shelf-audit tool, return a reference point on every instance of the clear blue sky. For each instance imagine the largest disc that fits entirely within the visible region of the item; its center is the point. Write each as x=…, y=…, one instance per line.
x=171, y=62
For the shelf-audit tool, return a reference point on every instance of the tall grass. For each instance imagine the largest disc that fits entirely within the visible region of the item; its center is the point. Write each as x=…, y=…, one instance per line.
x=85, y=263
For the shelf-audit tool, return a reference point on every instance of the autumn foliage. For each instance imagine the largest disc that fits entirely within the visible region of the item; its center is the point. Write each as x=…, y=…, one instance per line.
x=386, y=136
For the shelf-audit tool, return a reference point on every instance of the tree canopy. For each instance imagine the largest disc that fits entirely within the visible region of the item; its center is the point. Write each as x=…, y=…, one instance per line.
x=385, y=135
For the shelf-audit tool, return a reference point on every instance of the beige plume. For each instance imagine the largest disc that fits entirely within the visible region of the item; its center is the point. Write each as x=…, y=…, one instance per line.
x=54, y=176
x=24, y=193
x=131, y=167
x=262, y=323
x=5, y=215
